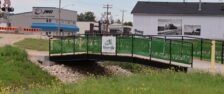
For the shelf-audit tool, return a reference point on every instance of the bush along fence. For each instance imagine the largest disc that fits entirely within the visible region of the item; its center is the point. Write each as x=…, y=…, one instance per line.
x=151, y=47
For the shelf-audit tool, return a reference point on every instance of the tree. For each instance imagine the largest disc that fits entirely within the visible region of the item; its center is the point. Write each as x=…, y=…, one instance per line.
x=128, y=24
x=81, y=17
x=118, y=21
x=87, y=16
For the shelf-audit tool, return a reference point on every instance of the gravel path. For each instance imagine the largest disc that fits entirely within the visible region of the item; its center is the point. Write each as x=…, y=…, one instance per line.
x=206, y=66
x=10, y=39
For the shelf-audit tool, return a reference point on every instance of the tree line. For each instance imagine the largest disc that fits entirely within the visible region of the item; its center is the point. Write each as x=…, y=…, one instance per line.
x=90, y=17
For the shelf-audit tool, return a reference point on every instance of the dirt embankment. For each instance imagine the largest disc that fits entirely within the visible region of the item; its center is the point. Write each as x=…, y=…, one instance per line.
x=73, y=72
x=70, y=73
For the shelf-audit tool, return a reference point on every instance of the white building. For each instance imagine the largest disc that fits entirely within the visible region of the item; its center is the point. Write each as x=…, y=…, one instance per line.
x=46, y=19
x=84, y=26
x=204, y=20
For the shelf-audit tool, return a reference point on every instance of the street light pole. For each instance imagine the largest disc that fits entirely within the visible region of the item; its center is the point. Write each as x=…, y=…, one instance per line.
x=59, y=18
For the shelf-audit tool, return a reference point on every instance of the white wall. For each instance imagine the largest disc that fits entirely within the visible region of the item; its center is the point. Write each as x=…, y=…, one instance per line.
x=83, y=26
x=23, y=20
x=211, y=26
x=66, y=15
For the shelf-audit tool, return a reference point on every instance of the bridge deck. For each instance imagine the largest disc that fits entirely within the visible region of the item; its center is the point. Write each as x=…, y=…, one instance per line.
x=71, y=57
x=198, y=65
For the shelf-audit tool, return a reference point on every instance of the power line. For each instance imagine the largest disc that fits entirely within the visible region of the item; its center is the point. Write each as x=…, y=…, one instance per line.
x=107, y=14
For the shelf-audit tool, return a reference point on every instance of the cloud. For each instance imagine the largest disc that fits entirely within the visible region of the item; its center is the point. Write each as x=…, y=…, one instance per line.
x=24, y=2
x=24, y=5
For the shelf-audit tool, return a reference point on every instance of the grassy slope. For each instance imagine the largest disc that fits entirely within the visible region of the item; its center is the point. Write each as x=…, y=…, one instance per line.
x=16, y=70
x=34, y=44
x=154, y=83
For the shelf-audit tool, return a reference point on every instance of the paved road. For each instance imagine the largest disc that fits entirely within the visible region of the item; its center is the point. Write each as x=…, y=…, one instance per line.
x=10, y=39
x=207, y=67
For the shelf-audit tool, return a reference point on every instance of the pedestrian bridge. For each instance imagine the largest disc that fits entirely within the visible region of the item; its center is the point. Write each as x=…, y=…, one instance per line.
x=157, y=51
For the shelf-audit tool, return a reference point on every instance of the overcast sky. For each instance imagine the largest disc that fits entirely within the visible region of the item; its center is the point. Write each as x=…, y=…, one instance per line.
x=89, y=5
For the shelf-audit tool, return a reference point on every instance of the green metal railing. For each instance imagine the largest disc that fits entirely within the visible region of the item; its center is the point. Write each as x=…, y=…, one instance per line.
x=202, y=49
x=152, y=47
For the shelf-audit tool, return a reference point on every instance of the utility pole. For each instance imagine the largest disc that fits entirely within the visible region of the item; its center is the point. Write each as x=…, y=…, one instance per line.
x=107, y=13
x=123, y=11
x=122, y=21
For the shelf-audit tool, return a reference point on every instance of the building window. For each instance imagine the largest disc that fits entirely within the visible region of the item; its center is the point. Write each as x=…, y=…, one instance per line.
x=48, y=20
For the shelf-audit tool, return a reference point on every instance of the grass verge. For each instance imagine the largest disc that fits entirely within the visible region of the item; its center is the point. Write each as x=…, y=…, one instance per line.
x=16, y=70
x=33, y=44
x=154, y=83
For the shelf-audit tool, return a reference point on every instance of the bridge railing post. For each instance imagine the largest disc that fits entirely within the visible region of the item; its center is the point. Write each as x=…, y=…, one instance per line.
x=101, y=36
x=201, y=49
x=132, y=52
x=182, y=43
x=170, y=51
x=192, y=55
x=148, y=45
x=165, y=38
x=61, y=45
x=87, y=45
x=62, y=38
x=222, y=55
x=49, y=45
x=116, y=45
x=74, y=41
x=150, y=55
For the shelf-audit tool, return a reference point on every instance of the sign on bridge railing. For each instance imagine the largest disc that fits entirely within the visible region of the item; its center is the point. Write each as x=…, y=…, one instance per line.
x=108, y=44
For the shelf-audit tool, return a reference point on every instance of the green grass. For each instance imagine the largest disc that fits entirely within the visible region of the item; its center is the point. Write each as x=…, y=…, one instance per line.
x=16, y=70
x=165, y=82
x=144, y=81
x=33, y=44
